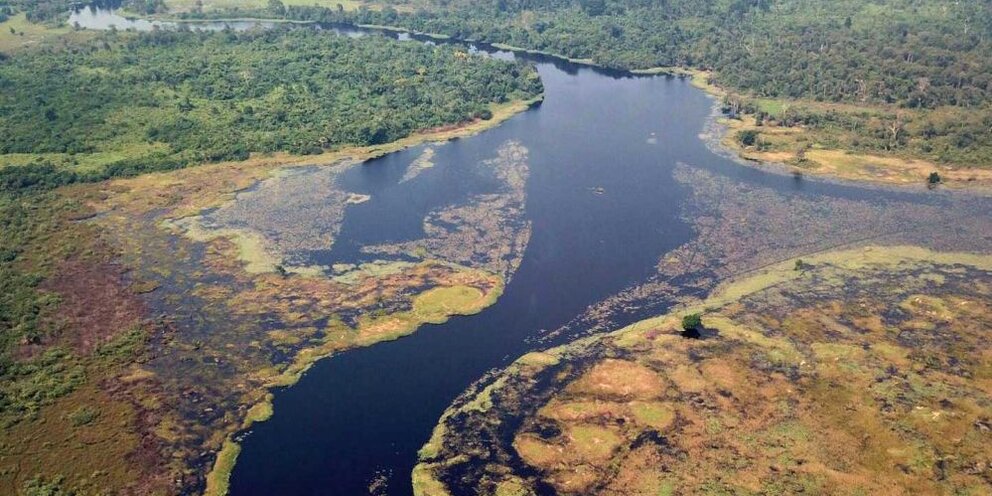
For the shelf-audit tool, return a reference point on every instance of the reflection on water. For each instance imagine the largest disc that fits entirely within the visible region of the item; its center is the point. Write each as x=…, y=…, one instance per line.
x=106, y=18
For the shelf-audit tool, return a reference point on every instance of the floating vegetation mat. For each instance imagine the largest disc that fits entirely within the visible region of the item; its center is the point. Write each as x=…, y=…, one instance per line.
x=488, y=231
x=299, y=209
x=420, y=164
x=864, y=371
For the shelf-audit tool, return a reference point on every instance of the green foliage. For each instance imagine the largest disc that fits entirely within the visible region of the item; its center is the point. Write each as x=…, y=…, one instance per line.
x=934, y=59
x=934, y=178
x=30, y=384
x=221, y=96
x=83, y=415
x=34, y=177
x=692, y=321
x=31, y=237
x=919, y=54
x=950, y=135
x=42, y=487
x=747, y=137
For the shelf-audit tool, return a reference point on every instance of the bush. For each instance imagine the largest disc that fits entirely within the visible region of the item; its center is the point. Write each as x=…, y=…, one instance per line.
x=747, y=137
x=692, y=322
x=83, y=415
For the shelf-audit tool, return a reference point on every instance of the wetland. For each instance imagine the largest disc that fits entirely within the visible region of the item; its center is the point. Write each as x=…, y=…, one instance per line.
x=536, y=255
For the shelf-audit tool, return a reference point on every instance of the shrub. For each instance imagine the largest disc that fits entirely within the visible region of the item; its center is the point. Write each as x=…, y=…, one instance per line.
x=692, y=322
x=83, y=415
x=747, y=137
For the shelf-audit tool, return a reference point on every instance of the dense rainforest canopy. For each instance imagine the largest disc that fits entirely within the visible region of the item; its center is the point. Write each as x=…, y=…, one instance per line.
x=193, y=97
x=919, y=53
x=922, y=67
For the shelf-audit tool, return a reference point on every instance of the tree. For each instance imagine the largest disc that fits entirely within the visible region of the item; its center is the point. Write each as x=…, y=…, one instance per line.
x=801, y=158
x=933, y=180
x=594, y=7
x=277, y=8
x=748, y=137
x=692, y=322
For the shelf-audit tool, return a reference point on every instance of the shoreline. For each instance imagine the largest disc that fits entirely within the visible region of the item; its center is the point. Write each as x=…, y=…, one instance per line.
x=834, y=164
x=698, y=78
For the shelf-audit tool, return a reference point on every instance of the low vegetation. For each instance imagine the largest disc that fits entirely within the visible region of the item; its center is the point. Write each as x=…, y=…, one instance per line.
x=93, y=337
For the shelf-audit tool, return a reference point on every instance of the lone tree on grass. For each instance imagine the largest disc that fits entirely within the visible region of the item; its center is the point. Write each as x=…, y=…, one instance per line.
x=934, y=179
x=692, y=322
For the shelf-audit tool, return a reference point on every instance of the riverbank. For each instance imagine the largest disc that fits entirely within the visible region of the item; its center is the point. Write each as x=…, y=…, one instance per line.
x=817, y=159
x=434, y=306
x=795, y=150
x=17, y=33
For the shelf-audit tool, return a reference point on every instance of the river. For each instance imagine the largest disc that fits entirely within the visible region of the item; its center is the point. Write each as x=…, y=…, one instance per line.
x=603, y=205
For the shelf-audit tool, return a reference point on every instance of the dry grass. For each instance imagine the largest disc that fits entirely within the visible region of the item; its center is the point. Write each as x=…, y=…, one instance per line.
x=847, y=165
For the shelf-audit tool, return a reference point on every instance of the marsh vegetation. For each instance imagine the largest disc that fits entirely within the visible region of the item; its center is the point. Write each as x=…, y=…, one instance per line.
x=866, y=373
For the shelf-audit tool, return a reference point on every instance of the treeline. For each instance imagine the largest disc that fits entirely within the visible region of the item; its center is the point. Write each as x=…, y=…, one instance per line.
x=932, y=59
x=221, y=96
x=915, y=53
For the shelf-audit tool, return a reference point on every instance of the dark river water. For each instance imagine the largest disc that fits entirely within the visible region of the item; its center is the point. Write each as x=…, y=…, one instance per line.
x=603, y=205
x=368, y=411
